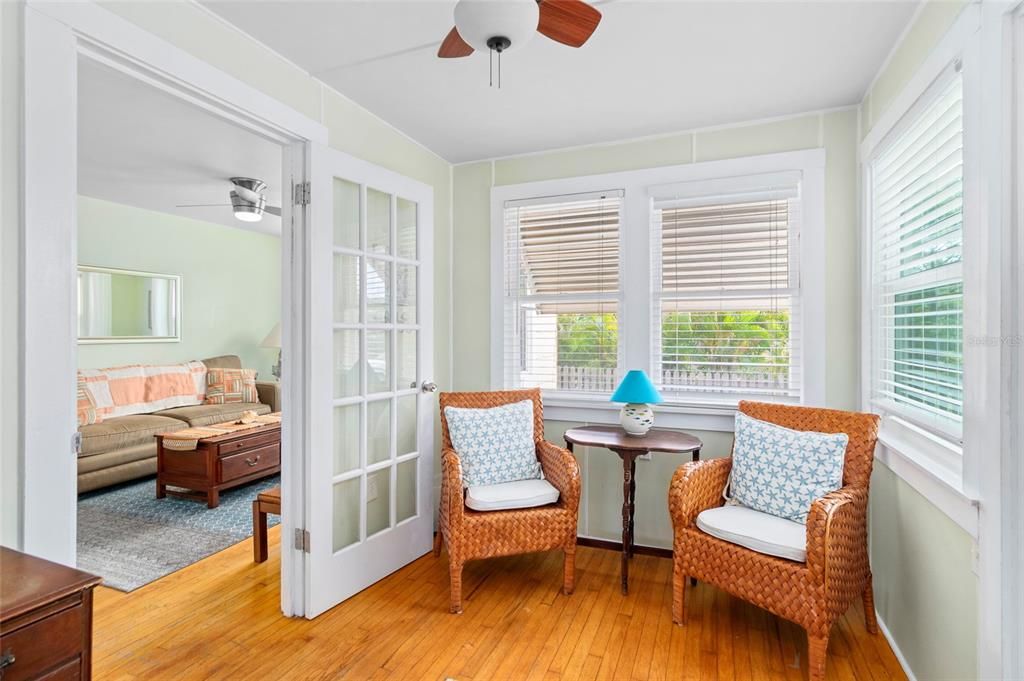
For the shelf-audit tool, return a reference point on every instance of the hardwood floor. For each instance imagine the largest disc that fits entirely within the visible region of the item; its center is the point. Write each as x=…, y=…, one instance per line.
x=219, y=619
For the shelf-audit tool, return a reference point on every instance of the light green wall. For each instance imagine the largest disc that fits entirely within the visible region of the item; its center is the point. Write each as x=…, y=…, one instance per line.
x=602, y=471
x=925, y=589
x=191, y=28
x=230, y=279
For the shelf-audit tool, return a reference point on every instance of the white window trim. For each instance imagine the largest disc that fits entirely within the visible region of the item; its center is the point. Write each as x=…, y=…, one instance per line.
x=937, y=467
x=634, y=297
x=982, y=37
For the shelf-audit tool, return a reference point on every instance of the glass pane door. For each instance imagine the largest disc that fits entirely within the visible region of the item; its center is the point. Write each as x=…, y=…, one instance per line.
x=370, y=510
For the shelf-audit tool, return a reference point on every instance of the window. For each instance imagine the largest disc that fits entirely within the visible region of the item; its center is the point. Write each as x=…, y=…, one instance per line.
x=726, y=290
x=561, y=292
x=709, y=276
x=916, y=215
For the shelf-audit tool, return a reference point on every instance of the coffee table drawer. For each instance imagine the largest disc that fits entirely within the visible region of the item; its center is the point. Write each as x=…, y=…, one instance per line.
x=249, y=462
x=249, y=442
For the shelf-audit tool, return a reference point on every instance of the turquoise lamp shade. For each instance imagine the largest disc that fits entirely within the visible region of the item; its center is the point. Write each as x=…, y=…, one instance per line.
x=636, y=388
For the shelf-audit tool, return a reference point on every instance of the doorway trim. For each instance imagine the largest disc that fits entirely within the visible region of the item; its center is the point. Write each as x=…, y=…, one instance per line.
x=56, y=36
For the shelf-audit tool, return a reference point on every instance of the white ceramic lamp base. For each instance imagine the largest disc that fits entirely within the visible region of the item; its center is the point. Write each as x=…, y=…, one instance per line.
x=636, y=419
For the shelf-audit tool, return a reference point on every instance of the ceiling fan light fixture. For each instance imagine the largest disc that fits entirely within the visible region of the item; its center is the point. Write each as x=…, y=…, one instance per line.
x=480, y=21
x=248, y=213
x=246, y=210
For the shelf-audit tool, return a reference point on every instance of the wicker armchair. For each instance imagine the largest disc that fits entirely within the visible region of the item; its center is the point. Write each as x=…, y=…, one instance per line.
x=470, y=535
x=812, y=594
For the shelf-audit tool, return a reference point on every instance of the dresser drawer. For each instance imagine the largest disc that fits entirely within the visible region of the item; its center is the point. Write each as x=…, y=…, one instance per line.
x=249, y=462
x=251, y=442
x=49, y=648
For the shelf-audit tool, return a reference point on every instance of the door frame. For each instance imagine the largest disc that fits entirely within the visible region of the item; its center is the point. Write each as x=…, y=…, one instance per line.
x=56, y=36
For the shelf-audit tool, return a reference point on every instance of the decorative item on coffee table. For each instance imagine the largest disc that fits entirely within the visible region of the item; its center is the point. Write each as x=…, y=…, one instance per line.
x=200, y=462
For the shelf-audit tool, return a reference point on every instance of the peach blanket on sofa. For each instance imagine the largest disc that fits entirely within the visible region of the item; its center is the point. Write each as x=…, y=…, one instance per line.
x=143, y=388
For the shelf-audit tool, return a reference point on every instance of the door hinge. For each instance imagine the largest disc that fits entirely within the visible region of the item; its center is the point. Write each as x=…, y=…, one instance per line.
x=301, y=540
x=301, y=194
x=76, y=442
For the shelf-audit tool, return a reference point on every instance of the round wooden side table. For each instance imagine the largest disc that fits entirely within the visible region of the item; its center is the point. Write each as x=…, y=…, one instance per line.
x=629, y=447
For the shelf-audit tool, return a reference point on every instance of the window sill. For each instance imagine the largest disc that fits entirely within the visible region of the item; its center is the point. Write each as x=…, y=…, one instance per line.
x=704, y=415
x=910, y=459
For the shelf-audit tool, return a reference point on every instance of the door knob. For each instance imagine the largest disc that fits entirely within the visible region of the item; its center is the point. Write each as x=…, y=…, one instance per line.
x=429, y=387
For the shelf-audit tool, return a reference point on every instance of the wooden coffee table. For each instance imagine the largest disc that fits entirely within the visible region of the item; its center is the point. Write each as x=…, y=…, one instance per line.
x=218, y=463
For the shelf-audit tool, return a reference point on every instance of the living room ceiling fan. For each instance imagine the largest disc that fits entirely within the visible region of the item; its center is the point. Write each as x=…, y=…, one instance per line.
x=500, y=25
x=248, y=200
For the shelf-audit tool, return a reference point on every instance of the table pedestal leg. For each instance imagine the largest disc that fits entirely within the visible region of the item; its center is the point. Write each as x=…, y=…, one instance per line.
x=696, y=457
x=628, y=497
x=632, y=505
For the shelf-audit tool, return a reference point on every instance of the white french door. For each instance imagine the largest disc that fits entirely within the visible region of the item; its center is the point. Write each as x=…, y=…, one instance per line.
x=371, y=403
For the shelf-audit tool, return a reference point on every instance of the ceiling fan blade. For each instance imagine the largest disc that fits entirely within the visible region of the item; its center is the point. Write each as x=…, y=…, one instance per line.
x=272, y=210
x=203, y=205
x=454, y=46
x=570, y=22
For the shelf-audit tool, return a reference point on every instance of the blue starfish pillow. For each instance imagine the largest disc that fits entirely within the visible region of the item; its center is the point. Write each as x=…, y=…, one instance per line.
x=494, y=445
x=781, y=471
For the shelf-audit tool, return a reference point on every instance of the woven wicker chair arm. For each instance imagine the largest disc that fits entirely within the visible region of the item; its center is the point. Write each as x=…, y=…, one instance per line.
x=562, y=471
x=697, y=486
x=837, y=542
x=451, y=488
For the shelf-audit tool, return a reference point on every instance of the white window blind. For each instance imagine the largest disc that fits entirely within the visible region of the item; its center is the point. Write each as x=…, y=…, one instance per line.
x=561, y=292
x=917, y=281
x=726, y=292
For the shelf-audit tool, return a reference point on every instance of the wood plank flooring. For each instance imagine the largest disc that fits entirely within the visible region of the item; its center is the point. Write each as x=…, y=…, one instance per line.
x=220, y=619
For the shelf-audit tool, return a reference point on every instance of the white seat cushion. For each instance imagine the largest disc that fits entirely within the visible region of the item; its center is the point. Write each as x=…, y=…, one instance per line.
x=756, y=531
x=506, y=495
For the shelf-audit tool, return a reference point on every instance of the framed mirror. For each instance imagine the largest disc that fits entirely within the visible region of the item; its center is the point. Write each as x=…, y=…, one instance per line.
x=125, y=306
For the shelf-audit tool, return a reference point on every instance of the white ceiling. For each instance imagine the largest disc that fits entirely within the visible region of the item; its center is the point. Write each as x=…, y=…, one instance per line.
x=652, y=67
x=142, y=147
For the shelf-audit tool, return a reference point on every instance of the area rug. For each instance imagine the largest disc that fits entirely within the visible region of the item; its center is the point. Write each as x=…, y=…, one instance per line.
x=130, y=538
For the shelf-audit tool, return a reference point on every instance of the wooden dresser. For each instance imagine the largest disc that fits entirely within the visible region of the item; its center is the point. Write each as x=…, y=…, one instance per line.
x=45, y=619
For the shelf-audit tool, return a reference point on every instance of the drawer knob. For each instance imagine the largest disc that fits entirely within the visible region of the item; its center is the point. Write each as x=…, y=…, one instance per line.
x=6, y=661
x=252, y=462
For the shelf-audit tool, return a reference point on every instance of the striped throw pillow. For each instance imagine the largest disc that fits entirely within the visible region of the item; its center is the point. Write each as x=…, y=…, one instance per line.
x=227, y=386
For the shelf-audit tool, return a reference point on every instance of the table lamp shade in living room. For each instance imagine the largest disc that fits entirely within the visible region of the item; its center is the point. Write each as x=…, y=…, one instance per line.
x=638, y=393
x=273, y=340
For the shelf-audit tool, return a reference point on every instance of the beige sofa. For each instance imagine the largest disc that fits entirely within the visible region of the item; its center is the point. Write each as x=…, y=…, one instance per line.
x=123, y=448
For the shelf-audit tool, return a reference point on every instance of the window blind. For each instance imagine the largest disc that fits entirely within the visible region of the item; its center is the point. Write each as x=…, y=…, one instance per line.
x=917, y=282
x=561, y=292
x=727, y=292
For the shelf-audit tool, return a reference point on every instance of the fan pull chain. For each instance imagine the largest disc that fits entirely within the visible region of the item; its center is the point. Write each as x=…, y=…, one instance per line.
x=490, y=67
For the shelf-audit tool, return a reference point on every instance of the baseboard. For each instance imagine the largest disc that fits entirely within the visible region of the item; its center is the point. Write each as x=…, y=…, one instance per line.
x=895, y=648
x=617, y=546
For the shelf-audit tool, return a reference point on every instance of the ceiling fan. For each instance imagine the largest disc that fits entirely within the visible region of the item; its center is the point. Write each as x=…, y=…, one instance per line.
x=500, y=25
x=248, y=200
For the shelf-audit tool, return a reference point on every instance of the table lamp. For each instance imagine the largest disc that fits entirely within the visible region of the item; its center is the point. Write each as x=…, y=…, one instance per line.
x=273, y=340
x=638, y=393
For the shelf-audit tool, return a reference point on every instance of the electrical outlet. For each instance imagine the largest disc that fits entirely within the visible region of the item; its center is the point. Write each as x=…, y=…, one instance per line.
x=371, y=487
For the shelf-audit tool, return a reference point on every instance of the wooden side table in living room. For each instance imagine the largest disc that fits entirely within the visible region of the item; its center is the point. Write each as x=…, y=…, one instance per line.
x=629, y=447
